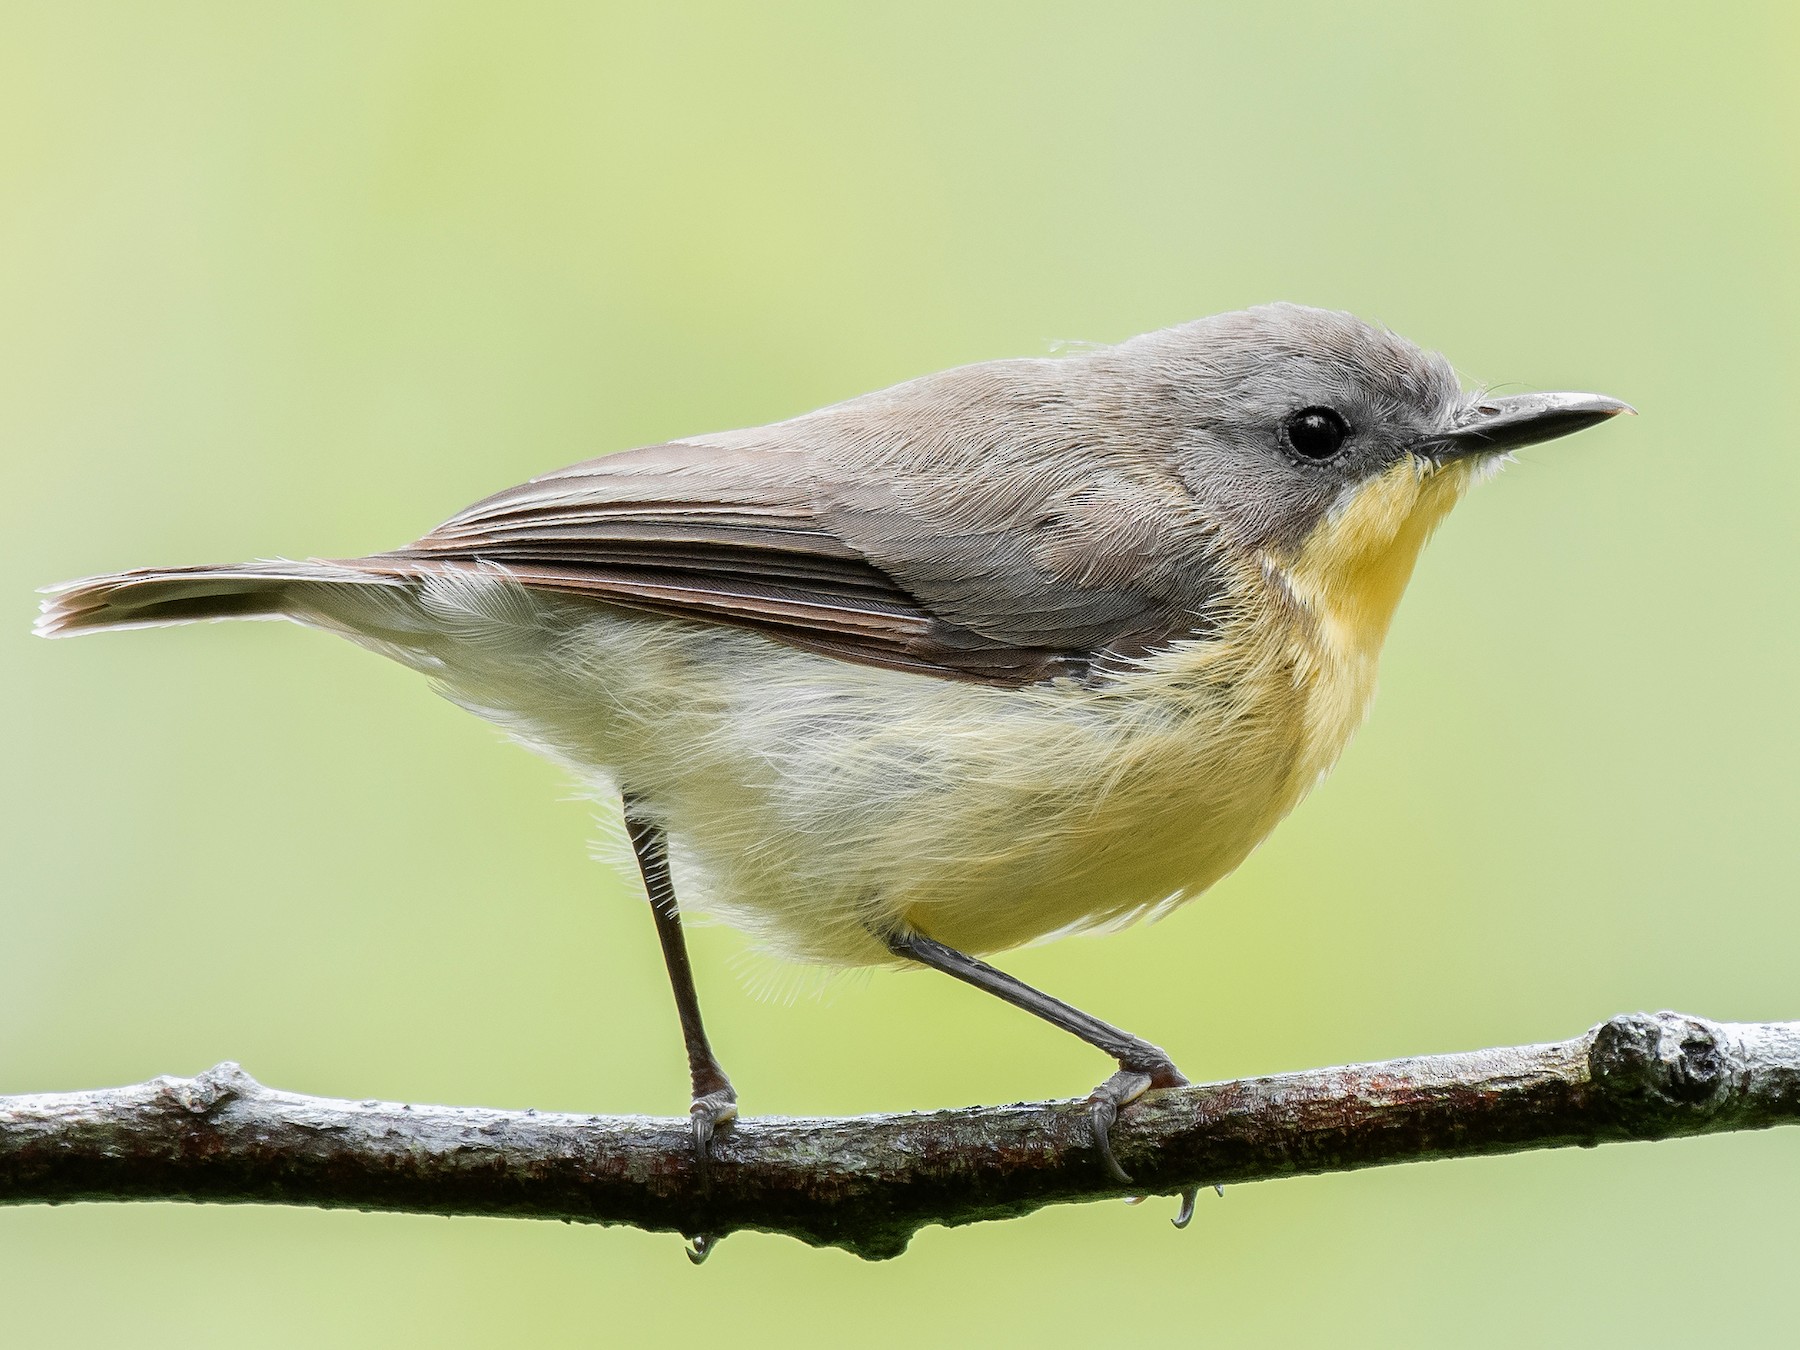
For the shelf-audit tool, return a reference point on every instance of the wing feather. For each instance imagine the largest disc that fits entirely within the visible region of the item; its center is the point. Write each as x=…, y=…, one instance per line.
x=968, y=526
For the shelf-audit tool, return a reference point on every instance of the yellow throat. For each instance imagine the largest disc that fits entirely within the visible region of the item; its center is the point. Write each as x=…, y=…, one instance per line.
x=1347, y=579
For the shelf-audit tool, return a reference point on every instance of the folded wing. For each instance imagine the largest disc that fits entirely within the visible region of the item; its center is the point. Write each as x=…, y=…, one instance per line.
x=964, y=532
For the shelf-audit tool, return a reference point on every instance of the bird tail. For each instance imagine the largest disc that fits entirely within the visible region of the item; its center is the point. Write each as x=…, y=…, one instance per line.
x=153, y=596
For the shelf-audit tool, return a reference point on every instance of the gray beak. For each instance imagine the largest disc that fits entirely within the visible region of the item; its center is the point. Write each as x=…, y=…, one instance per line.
x=1495, y=424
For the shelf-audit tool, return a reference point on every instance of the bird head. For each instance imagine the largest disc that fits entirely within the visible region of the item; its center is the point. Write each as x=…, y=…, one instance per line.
x=1330, y=449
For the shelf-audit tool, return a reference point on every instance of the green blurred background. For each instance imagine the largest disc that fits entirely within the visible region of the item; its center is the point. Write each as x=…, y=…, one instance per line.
x=305, y=279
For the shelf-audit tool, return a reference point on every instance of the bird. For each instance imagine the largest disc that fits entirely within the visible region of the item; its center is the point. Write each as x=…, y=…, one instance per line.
x=1011, y=651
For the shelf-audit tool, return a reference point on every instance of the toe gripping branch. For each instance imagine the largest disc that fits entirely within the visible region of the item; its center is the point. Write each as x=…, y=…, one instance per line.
x=1142, y=1066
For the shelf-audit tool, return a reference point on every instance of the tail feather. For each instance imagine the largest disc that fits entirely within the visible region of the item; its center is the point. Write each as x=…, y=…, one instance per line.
x=149, y=597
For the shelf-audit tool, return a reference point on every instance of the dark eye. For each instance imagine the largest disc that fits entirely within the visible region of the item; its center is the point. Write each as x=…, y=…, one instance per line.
x=1315, y=433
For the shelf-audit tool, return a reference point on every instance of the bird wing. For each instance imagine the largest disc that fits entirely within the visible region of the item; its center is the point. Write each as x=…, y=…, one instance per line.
x=955, y=526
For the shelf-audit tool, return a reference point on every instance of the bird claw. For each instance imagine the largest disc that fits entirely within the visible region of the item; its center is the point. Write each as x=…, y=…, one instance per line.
x=1124, y=1087
x=709, y=1114
x=1186, y=1214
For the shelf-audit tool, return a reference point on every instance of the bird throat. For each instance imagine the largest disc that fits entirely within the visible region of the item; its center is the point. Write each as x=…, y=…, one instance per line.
x=1352, y=569
x=1347, y=579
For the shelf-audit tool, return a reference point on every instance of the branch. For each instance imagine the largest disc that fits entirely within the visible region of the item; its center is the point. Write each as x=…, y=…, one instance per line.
x=869, y=1183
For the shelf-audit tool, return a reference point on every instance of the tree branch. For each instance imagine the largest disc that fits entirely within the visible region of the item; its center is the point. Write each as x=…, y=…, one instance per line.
x=869, y=1183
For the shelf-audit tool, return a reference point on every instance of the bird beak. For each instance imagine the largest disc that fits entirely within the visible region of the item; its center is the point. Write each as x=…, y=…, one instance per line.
x=1496, y=424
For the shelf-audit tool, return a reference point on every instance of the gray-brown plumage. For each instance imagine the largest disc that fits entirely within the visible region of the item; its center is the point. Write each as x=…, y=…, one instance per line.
x=1006, y=522
x=1011, y=650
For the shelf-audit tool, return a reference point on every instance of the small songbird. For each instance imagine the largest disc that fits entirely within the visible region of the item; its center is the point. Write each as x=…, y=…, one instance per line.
x=1010, y=651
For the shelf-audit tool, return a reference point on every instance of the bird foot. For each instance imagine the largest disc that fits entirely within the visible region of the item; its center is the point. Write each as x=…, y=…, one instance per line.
x=710, y=1113
x=1123, y=1088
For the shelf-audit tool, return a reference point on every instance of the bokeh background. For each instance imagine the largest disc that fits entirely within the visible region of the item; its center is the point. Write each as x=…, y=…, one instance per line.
x=307, y=278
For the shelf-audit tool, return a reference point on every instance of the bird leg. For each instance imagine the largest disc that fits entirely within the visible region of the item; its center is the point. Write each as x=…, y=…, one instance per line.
x=1141, y=1065
x=715, y=1102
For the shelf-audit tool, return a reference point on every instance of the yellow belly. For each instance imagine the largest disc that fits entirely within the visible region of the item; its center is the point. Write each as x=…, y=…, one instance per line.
x=1151, y=792
x=1215, y=741
x=817, y=804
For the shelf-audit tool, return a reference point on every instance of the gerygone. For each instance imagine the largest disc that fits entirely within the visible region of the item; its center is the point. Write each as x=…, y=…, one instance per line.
x=1014, y=650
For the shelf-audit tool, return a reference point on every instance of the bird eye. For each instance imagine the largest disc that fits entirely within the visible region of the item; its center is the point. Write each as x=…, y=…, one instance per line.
x=1315, y=433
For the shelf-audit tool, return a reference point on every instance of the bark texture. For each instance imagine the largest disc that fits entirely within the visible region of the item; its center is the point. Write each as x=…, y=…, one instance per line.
x=867, y=1184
